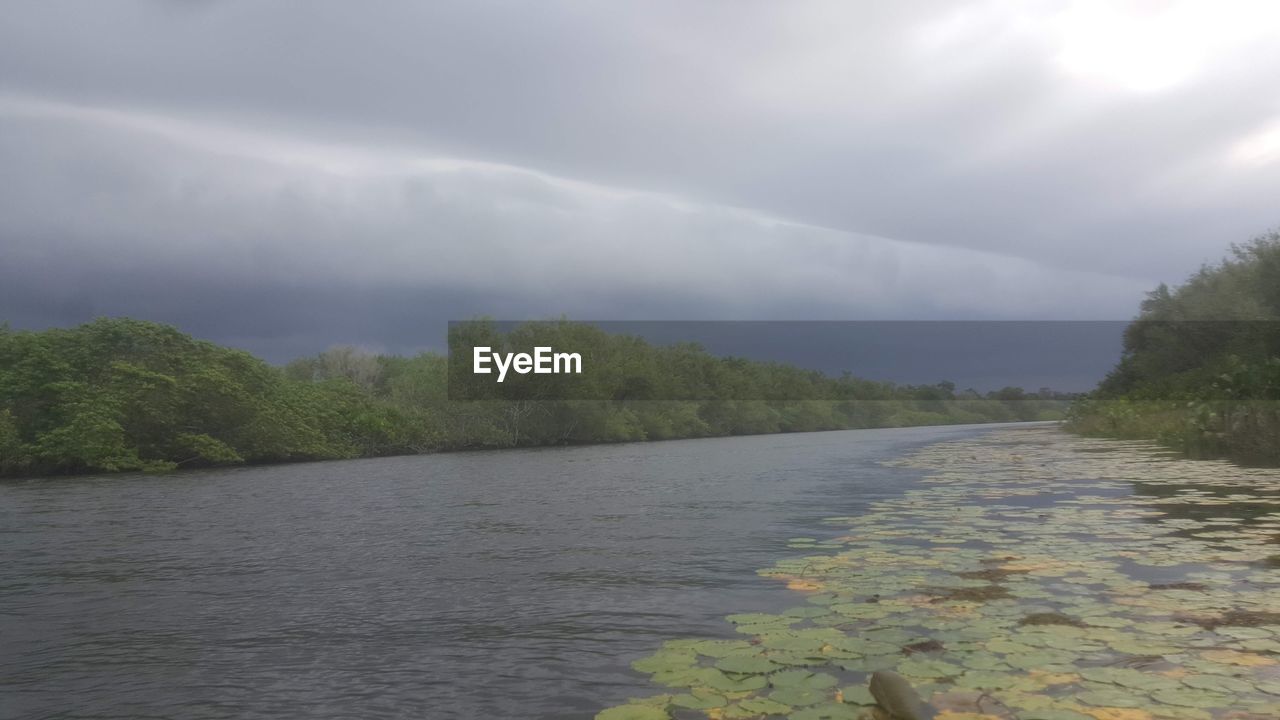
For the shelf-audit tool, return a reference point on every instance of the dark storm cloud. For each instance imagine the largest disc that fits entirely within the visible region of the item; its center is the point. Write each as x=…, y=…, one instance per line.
x=292, y=174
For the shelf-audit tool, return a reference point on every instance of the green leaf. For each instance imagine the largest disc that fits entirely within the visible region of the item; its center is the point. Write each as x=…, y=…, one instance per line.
x=632, y=712
x=858, y=695
x=746, y=664
x=802, y=679
x=827, y=712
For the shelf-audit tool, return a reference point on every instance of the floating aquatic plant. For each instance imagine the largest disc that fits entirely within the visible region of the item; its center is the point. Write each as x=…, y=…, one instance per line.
x=1031, y=575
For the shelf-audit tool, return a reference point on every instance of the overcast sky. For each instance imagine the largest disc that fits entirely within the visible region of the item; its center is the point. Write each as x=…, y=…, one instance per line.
x=284, y=176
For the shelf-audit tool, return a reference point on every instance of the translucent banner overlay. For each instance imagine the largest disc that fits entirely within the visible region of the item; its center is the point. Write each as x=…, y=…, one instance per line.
x=777, y=360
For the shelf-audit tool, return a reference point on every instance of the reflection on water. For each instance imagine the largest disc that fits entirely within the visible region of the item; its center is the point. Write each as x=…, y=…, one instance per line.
x=508, y=584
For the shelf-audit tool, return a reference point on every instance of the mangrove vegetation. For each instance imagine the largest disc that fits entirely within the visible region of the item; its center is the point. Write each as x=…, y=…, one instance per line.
x=121, y=394
x=1201, y=365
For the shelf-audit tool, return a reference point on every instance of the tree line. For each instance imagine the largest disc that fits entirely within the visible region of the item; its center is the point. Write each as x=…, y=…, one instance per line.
x=119, y=394
x=1200, y=369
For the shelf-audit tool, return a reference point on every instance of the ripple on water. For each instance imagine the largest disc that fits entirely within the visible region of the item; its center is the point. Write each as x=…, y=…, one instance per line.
x=504, y=584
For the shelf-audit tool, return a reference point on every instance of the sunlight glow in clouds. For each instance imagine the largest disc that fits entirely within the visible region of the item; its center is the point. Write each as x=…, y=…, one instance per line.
x=813, y=158
x=1261, y=148
x=1149, y=47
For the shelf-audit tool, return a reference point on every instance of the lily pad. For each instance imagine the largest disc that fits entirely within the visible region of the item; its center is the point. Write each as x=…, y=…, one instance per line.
x=699, y=699
x=665, y=660
x=1191, y=697
x=764, y=706
x=1114, y=698
x=746, y=664
x=857, y=695
x=633, y=712
x=802, y=679
x=1218, y=683
x=800, y=697
x=827, y=712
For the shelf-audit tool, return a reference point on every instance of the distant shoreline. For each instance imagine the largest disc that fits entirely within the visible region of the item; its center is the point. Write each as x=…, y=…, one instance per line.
x=455, y=451
x=119, y=394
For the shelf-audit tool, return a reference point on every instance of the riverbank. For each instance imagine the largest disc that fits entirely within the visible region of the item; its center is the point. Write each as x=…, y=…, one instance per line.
x=1241, y=431
x=1033, y=575
x=118, y=395
x=462, y=451
x=1200, y=370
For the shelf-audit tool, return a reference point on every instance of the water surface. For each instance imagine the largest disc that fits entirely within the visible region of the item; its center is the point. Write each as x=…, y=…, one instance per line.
x=502, y=584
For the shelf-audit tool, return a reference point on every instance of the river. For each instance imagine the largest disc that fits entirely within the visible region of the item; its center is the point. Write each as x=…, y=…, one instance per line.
x=503, y=584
